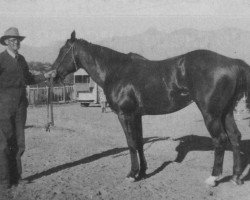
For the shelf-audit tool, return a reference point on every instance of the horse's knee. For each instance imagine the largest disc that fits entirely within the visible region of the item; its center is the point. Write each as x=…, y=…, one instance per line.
x=235, y=140
x=212, y=123
x=132, y=149
x=220, y=143
x=215, y=128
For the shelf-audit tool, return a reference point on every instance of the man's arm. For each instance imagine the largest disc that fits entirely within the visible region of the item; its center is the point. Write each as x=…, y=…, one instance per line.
x=31, y=79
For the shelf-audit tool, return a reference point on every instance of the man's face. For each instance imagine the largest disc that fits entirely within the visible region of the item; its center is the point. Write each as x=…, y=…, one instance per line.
x=13, y=44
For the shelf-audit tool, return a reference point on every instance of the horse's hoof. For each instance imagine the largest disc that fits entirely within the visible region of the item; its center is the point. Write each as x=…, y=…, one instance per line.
x=130, y=179
x=141, y=175
x=132, y=175
x=211, y=181
x=236, y=180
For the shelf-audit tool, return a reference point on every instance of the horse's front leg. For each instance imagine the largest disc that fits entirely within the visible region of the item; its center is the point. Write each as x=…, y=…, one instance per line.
x=219, y=152
x=131, y=125
x=139, y=145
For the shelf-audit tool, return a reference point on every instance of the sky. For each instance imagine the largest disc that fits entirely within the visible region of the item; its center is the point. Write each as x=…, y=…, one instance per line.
x=46, y=21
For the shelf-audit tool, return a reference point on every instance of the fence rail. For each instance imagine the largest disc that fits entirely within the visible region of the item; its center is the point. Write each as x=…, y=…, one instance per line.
x=38, y=95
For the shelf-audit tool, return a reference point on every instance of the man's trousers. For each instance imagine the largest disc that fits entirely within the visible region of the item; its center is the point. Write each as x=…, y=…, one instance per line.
x=12, y=146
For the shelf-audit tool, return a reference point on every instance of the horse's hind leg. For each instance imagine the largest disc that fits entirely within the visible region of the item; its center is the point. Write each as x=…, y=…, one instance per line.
x=132, y=126
x=218, y=134
x=235, y=139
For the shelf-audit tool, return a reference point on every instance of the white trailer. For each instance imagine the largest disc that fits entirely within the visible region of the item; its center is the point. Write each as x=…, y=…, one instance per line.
x=85, y=89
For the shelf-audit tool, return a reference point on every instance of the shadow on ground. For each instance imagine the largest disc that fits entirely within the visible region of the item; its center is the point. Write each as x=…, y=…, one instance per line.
x=201, y=143
x=110, y=152
x=187, y=143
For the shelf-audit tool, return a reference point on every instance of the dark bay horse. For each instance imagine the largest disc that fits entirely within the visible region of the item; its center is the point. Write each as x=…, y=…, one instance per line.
x=135, y=86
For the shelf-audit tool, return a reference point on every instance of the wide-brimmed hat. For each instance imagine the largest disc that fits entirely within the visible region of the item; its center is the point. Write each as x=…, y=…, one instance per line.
x=12, y=32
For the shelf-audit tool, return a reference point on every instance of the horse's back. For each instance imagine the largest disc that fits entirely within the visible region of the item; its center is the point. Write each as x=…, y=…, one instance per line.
x=160, y=87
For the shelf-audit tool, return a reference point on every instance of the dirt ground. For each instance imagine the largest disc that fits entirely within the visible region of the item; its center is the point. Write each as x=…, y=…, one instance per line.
x=85, y=156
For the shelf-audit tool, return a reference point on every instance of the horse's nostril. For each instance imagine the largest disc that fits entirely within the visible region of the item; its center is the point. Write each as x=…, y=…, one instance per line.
x=57, y=78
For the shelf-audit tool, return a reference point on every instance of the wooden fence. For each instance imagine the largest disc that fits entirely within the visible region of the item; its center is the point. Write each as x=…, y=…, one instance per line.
x=38, y=95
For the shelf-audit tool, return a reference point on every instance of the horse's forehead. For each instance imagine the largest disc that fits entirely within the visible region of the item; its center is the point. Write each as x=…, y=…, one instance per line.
x=65, y=46
x=67, y=42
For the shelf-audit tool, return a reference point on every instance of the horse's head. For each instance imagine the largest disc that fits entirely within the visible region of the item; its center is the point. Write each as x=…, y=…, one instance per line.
x=66, y=60
x=78, y=53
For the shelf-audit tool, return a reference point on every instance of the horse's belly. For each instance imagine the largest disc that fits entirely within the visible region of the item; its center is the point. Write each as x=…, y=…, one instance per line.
x=164, y=104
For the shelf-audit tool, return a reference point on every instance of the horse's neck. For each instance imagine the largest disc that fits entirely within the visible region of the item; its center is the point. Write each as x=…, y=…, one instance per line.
x=100, y=64
x=95, y=73
x=92, y=67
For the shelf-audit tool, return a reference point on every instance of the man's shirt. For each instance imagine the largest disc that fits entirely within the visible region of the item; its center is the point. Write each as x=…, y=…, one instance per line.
x=11, y=53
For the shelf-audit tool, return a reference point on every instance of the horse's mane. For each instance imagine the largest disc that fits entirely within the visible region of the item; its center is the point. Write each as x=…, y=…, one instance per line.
x=106, y=52
x=114, y=60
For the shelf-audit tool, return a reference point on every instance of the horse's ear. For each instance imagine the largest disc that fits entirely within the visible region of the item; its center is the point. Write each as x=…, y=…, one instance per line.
x=73, y=36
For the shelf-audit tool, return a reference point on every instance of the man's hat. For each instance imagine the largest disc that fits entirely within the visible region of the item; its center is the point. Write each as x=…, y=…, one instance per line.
x=12, y=32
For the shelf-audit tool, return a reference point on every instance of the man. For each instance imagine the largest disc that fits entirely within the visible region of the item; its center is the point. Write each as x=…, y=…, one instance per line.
x=14, y=76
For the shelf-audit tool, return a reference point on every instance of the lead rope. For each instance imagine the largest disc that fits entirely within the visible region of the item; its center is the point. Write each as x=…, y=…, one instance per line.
x=50, y=116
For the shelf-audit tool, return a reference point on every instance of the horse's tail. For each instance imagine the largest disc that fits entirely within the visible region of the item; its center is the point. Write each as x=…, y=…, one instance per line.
x=246, y=82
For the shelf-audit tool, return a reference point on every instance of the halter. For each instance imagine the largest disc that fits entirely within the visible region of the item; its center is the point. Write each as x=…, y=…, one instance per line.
x=71, y=47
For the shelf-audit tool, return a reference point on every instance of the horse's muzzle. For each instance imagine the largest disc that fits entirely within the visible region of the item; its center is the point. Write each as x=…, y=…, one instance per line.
x=57, y=79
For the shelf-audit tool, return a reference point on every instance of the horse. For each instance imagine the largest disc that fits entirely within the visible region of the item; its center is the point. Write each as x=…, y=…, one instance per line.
x=135, y=86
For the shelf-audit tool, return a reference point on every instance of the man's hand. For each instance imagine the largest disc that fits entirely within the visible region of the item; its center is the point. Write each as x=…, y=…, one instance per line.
x=50, y=74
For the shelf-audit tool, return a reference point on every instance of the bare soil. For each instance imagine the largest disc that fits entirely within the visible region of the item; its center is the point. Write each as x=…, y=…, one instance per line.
x=85, y=156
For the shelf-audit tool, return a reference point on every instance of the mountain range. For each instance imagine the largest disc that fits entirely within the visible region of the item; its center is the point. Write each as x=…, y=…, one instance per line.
x=156, y=45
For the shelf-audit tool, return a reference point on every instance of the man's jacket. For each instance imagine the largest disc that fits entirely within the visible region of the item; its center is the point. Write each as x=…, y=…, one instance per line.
x=14, y=76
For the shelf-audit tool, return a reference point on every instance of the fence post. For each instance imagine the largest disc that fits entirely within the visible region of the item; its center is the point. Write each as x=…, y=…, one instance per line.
x=28, y=93
x=37, y=95
x=64, y=93
x=47, y=92
x=50, y=101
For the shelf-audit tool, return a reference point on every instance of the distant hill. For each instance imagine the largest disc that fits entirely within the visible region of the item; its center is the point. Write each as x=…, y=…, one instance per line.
x=155, y=44
x=40, y=54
